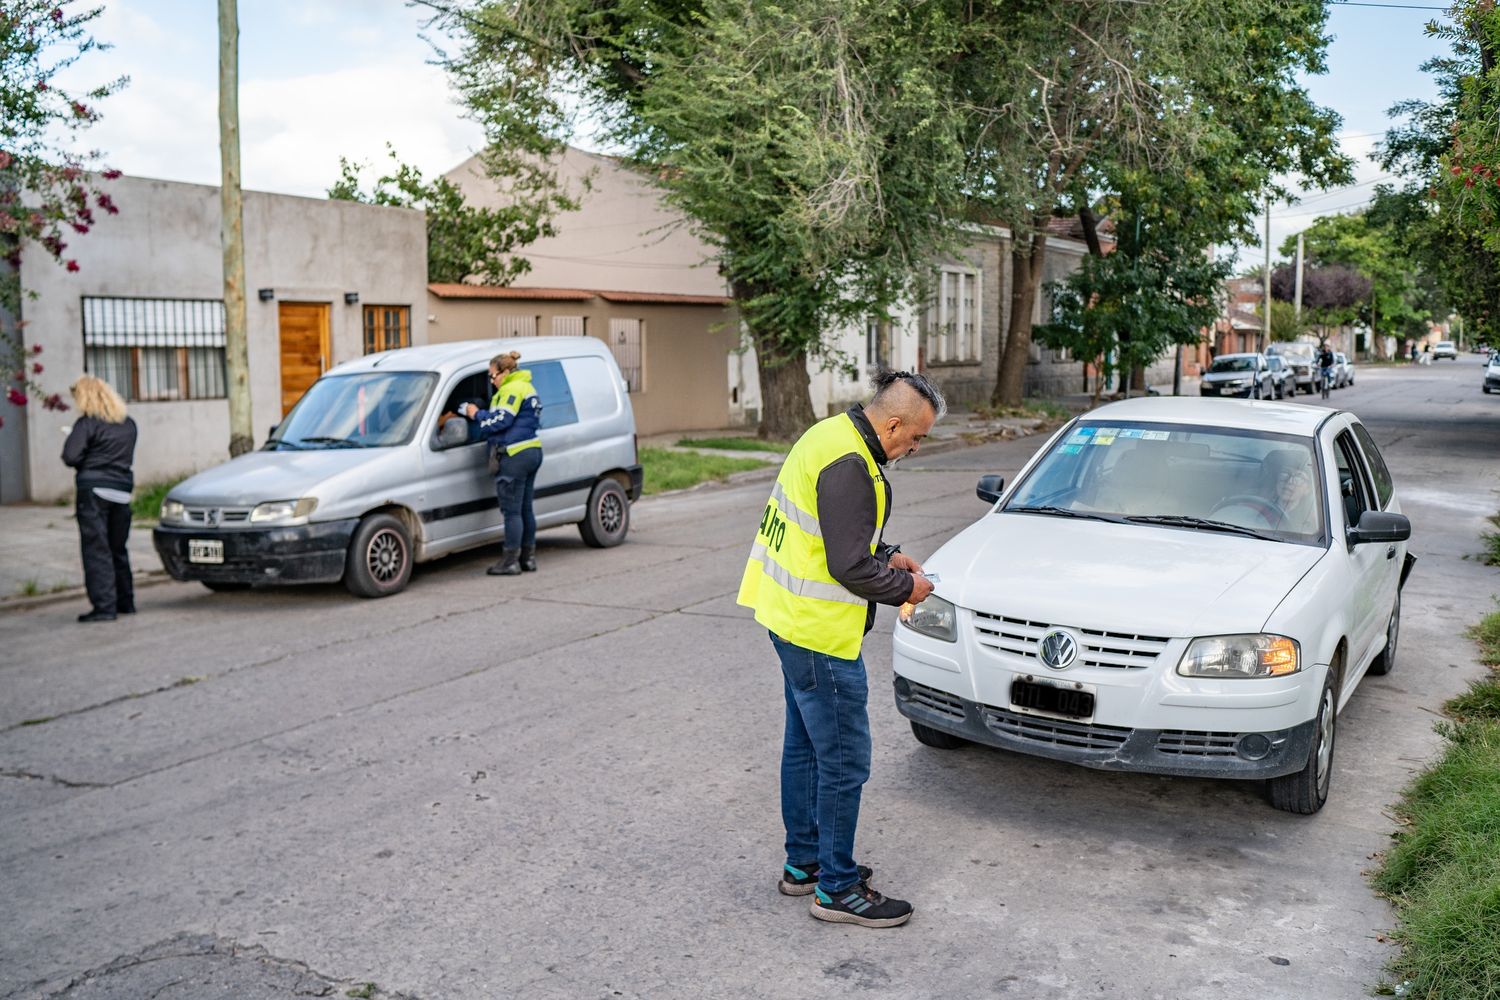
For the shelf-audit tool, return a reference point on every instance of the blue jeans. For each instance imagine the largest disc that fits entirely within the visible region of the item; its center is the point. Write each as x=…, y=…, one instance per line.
x=825, y=760
x=515, y=486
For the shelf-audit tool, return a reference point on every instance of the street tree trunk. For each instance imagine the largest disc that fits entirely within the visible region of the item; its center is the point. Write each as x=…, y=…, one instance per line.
x=785, y=397
x=1027, y=261
x=232, y=232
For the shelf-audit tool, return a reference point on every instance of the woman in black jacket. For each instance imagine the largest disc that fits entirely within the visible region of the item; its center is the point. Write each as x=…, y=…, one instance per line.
x=101, y=448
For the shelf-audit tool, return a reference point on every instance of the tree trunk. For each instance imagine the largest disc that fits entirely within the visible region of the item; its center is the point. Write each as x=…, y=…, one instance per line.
x=785, y=398
x=232, y=234
x=1026, y=263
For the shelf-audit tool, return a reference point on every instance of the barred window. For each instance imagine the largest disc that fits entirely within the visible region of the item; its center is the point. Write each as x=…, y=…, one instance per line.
x=953, y=317
x=517, y=325
x=569, y=326
x=387, y=328
x=627, y=340
x=155, y=349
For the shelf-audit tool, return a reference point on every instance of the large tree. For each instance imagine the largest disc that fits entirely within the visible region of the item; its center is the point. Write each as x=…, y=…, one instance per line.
x=49, y=191
x=813, y=144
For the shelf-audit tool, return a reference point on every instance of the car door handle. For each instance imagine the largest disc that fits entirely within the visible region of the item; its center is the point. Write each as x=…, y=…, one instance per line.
x=1390, y=553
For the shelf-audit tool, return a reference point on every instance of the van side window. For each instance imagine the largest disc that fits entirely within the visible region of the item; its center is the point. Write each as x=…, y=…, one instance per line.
x=558, y=408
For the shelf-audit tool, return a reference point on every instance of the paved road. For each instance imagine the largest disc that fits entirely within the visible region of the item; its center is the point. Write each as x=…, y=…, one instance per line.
x=566, y=786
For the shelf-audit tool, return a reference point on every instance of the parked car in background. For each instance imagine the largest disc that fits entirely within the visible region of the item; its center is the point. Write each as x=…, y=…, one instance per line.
x=1492, y=373
x=373, y=471
x=1299, y=358
x=1244, y=375
x=1171, y=586
x=1344, y=367
x=1444, y=349
x=1282, y=381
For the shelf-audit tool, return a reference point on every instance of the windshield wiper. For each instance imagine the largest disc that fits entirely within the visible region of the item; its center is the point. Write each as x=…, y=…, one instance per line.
x=277, y=445
x=1062, y=512
x=1183, y=521
x=333, y=442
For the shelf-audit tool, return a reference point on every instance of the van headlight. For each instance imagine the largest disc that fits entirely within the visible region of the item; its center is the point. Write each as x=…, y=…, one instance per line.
x=283, y=511
x=173, y=512
x=934, y=617
x=1259, y=655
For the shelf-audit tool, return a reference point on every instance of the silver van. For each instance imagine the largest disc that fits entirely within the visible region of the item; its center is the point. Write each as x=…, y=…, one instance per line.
x=373, y=471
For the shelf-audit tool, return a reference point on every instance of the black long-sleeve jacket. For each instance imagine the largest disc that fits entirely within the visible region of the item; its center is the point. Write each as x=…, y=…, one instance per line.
x=846, y=517
x=101, y=453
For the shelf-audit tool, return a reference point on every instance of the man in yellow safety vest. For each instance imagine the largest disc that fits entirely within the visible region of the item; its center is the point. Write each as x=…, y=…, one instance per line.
x=815, y=574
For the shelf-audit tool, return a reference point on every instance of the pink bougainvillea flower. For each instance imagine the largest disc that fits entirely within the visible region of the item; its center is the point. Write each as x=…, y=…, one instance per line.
x=16, y=397
x=57, y=14
x=5, y=159
x=36, y=348
x=54, y=402
x=1456, y=170
x=111, y=175
x=36, y=368
x=72, y=265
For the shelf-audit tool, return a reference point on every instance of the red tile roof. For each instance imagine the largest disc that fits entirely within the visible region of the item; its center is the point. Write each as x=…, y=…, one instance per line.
x=666, y=298
x=448, y=290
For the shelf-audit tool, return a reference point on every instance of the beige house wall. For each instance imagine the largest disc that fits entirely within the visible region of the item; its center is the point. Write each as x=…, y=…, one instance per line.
x=683, y=347
x=165, y=244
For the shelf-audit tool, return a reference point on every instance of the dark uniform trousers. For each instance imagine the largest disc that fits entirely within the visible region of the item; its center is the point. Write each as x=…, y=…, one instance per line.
x=103, y=528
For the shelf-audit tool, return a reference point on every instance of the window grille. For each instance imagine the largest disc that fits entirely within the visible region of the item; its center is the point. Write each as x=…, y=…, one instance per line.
x=569, y=326
x=155, y=349
x=387, y=328
x=517, y=325
x=627, y=339
x=953, y=317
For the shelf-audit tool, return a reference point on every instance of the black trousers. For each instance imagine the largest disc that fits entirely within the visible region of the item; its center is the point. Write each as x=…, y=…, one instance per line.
x=103, y=529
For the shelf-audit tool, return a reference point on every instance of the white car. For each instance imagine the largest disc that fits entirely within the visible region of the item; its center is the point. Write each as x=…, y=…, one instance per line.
x=1172, y=585
x=1444, y=349
x=1492, y=373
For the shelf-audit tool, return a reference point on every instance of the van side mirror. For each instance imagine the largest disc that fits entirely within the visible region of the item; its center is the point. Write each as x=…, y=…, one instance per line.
x=1379, y=526
x=990, y=488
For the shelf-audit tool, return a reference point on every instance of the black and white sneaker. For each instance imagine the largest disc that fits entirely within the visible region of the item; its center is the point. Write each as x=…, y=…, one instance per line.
x=859, y=904
x=799, y=880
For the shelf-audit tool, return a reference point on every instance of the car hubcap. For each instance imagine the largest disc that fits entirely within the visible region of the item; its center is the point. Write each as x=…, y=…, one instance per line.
x=611, y=513
x=386, y=556
x=1325, y=741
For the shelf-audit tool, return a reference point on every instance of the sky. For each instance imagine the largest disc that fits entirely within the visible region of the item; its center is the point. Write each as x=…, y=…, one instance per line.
x=321, y=79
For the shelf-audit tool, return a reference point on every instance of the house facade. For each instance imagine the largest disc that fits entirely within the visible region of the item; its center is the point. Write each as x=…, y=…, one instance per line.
x=326, y=281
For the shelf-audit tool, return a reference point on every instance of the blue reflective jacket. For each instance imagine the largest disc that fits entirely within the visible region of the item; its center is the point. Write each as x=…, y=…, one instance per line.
x=514, y=416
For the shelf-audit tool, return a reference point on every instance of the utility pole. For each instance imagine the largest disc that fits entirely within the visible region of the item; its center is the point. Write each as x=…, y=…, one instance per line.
x=1265, y=319
x=1299, y=276
x=232, y=233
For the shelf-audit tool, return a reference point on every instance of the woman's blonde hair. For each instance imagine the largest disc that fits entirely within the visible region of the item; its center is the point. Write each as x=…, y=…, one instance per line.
x=95, y=398
x=505, y=362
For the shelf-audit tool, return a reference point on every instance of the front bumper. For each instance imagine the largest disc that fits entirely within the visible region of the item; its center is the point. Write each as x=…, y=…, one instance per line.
x=1186, y=753
x=1492, y=381
x=307, y=553
x=1239, y=392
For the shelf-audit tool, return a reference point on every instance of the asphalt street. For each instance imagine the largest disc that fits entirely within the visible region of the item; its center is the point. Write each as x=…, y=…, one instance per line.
x=565, y=785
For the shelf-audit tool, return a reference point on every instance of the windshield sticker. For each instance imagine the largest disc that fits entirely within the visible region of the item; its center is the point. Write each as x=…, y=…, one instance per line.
x=1079, y=439
x=1072, y=449
x=1082, y=431
x=1131, y=432
x=1104, y=440
x=1155, y=435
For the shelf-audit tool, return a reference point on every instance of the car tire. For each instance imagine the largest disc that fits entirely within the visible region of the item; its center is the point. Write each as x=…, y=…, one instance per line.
x=936, y=738
x=379, y=560
x=1385, y=662
x=224, y=586
x=1305, y=791
x=607, y=519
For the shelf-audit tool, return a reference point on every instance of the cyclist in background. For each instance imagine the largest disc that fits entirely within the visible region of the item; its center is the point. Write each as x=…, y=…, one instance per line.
x=1325, y=367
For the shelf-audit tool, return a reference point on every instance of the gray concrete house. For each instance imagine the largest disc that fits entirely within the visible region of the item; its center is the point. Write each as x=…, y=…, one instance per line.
x=326, y=281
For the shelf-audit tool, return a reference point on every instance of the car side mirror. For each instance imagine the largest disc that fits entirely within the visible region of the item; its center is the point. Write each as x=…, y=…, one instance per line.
x=990, y=488
x=1379, y=526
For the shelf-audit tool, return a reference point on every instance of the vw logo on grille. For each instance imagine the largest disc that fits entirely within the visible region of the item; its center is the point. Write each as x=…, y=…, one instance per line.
x=1059, y=649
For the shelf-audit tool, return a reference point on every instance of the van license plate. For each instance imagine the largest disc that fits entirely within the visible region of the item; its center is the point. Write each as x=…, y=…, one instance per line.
x=1069, y=702
x=205, y=550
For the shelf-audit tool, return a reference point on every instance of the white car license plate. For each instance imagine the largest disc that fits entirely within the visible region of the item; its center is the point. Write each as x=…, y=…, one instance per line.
x=205, y=550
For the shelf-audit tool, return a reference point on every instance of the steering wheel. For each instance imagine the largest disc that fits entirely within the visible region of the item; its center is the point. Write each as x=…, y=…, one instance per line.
x=1265, y=509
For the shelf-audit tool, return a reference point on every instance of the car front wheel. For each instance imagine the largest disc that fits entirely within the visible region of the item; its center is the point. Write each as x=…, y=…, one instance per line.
x=1385, y=661
x=379, y=559
x=936, y=738
x=1307, y=790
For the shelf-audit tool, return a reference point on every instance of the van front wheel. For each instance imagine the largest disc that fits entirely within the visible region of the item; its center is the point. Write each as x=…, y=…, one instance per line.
x=379, y=559
x=608, y=517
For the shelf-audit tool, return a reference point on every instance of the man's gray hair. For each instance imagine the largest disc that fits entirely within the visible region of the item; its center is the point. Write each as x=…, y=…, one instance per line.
x=885, y=378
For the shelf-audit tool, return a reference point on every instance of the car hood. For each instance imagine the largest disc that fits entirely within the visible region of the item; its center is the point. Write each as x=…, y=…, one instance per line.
x=258, y=476
x=1135, y=579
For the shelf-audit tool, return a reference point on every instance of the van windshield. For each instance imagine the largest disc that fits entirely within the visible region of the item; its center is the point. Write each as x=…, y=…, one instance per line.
x=369, y=410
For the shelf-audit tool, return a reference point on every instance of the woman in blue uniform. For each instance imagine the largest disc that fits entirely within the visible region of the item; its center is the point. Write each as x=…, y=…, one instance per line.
x=510, y=425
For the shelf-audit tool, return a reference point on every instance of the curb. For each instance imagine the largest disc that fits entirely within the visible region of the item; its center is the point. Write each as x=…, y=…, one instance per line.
x=144, y=578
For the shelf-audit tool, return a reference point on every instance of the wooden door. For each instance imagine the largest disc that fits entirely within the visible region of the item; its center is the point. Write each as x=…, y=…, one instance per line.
x=304, y=348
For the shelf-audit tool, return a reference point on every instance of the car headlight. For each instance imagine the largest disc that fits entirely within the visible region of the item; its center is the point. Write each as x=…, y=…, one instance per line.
x=283, y=511
x=1259, y=655
x=934, y=617
x=173, y=512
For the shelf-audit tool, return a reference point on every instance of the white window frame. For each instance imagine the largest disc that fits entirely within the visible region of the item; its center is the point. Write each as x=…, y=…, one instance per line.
x=570, y=326
x=517, y=325
x=955, y=317
x=621, y=329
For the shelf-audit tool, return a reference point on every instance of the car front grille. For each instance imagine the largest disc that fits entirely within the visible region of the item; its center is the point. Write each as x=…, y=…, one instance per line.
x=937, y=701
x=1186, y=743
x=1120, y=650
x=1055, y=732
x=215, y=516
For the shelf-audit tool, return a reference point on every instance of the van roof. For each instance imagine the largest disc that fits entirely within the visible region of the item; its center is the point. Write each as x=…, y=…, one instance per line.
x=444, y=358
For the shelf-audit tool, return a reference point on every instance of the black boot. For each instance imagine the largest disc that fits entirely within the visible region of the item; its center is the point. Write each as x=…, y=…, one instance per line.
x=509, y=564
x=528, y=558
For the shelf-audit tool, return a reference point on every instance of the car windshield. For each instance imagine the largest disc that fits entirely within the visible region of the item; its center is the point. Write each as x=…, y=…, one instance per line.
x=368, y=410
x=1204, y=478
x=1232, y=365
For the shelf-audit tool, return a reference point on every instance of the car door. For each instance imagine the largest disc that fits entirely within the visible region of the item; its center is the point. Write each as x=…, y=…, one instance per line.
x=1369, y=564
x=459, y=498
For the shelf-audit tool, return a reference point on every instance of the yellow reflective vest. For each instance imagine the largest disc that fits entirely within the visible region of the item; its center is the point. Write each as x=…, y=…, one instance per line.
x=786, y=579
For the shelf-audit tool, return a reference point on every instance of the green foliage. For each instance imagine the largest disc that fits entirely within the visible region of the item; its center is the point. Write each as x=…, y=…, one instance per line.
x=736, y=444
x=462, y=241
x=46, y=188
x=1286, y=325
x=677, y=470
x=1491, y=540
x=145, y=502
